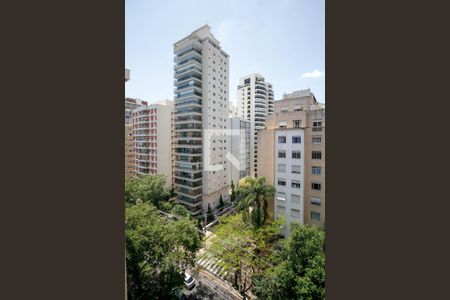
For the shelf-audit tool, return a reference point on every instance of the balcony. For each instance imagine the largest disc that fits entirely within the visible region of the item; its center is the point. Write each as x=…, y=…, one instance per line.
x=187, y=183
x=190, y=53
x=189, y=159
x=188, y=126
x=188, y=110
x=188, y=103
x=192, y=92
x=192, y=83
x=189, y=70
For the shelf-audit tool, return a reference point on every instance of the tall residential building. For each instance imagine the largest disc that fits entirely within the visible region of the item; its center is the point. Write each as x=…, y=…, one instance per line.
x=152, y=144
x=201, y=106
x=239, y=141
x=127, y=75
x=254, y=103
x=292, y=158
x=130, y=104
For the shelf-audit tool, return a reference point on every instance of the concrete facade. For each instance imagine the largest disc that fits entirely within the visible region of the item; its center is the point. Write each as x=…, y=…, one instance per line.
x=297, y=114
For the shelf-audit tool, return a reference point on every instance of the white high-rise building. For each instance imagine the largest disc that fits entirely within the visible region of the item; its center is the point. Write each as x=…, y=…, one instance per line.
x=201, y=107
x=254, y=103
x=239, y=165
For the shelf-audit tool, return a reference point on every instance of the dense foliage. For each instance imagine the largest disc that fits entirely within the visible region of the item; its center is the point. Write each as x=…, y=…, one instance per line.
x=299, y=271
x=254, y=195
x=241, y=249
x=146, y=188
x=157, y=251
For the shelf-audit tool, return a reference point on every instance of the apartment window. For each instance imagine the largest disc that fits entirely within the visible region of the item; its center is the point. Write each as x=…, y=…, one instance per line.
x=296, y=139
x=316, y=186
x=295, y=199
x=297, y=108
x=282, y=140
x=281, y=196
x=296, y=154
x=282, y=124
x=295, y=213
x=295, y=169
x=316, y=170
x=317, y=126
x=296, y=123
x=284, y=109
x=295, y=184
x=316, y=155
x=315, y=216
x=281, y=168
x=282, y=182
x=315, y=201
x=316, y=140
x=281, y=154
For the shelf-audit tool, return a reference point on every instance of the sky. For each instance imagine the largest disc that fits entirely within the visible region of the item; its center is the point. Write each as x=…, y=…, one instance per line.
x=283, y=40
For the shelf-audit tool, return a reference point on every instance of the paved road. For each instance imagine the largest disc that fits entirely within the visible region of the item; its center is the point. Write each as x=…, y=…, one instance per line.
x=211, y=288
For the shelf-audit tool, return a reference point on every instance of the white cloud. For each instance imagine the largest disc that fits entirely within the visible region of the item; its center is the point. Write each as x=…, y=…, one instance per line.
x=313, y=74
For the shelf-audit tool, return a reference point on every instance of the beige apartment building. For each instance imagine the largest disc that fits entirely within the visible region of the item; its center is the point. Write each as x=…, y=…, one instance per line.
x=292, y=158
x=152, y=140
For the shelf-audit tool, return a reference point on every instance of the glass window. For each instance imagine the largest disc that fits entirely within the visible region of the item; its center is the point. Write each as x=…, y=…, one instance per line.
x=296, y=154
x=295, y=184
x=295, y=169
x=315, y=216
x=317, y=140
x=316, y=186
x=315, y=201
x=296, y=139
x=316, y=155
x=316, y=170
x=281, y=139
x=281, y=154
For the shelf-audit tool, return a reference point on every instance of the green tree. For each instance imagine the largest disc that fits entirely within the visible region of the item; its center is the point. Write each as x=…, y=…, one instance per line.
x=233, y=192
x=241, y=250
x=146, y=188
x=180, y=211
x=157, y=252
x=254, y=196
x=300, y=267
x=221, y=203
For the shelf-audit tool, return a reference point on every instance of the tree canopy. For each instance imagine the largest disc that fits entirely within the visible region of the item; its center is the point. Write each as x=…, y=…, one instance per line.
x=254, y=195
x=157, y=252
x=146, y=188
x=299, y=271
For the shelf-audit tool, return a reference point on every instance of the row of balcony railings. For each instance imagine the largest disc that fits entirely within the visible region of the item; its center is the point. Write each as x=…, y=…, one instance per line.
x=185, y=110
x=187, y=199
x=191, y=83
x=188, y=60
x=189, y=150
x=192, y=159
x=188, y=118
x=188, y=135
x=187, y=54
x=188, y=167
x=187, y=69
x=192, y=101
x=190, y=192
x=189, y=143
x=188, y=126
x=188, y=77
x=188, y=183
x=188, y=175
x=188, y=93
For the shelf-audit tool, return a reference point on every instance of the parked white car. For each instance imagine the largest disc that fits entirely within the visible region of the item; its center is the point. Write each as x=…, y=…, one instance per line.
x=189, y=281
